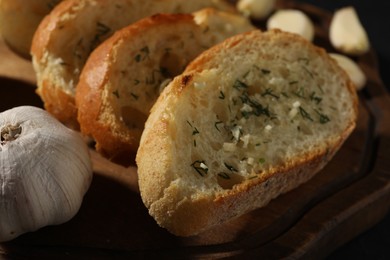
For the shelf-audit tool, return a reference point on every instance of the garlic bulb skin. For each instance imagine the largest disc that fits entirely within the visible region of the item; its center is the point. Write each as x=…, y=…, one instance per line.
x=45, y=171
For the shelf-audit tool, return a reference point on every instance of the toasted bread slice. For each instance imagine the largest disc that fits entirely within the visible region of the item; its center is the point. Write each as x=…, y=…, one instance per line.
x=248, y=120
x=19, y=20
x=66, y=37
x=124, y=76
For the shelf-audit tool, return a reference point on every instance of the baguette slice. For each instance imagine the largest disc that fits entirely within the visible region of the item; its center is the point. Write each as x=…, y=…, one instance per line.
x=19, y=20
x=248, y=120
x=124, y=76
x=66, y=37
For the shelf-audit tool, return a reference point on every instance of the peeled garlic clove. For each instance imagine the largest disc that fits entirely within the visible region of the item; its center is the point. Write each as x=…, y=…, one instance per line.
x=347, y=34
x=45, y=170
x=352, y=69
x=257, y=9
x=293, y=21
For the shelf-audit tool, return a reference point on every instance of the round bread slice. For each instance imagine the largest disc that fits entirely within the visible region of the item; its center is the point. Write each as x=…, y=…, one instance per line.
x=19, y=20
x=66, y=37
x=248, y=120
x=124, y=76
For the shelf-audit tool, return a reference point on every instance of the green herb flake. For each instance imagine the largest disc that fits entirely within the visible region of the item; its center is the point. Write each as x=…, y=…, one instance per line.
x=134, y=96
x=261, y=160
x=262, y=70
x=239, y=85
x=200, y=167
x=221, y=95
x=145, y=50
x=195, y=131
x=224, y=175
x=300, y=92
x=269, y=92
x=284, y=94
x=137, y=58
x=230, y=168
x=257, y=108
x=101, y=31
x=265, y=71
x=308, y=72
x=116, y=93
x=315, y=98
x=143, y=55
x=217, y=124
x=305, y=114
x=323, y=118
x=246, y=74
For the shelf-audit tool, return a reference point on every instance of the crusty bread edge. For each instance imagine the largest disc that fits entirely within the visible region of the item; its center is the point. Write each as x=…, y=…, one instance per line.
x=56, y=101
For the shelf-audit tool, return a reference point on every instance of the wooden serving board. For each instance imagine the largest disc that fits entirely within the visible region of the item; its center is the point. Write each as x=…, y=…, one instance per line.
x=346, y=198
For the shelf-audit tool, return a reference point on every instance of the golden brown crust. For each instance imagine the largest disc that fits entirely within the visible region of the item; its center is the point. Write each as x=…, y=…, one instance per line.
x=59, y=104
x=49, y=23
x=56, y=101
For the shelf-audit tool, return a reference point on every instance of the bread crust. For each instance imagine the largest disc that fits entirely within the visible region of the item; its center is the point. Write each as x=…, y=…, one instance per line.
x=185, y=213
x=57, y=101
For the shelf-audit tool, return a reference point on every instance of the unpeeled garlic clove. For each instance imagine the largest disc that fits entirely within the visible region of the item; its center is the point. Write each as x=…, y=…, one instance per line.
x=347, y=34
x=352, y=69
x=45, y=170
x=256, y=9
x=294, y=21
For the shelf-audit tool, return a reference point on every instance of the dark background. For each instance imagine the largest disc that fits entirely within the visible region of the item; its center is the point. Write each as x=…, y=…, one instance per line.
x=375, y=17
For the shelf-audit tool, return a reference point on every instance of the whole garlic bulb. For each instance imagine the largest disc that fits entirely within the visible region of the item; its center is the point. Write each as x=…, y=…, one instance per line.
x=45, y=171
